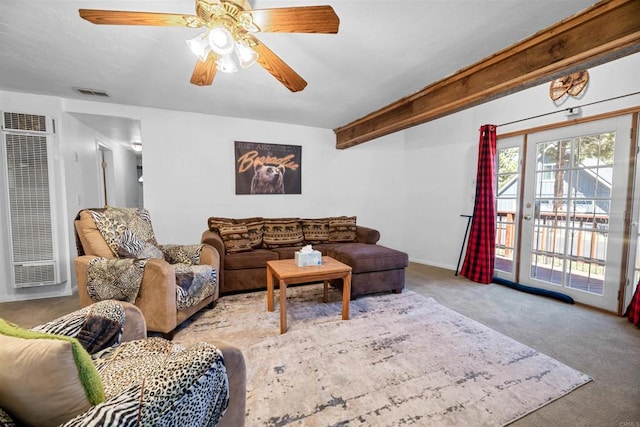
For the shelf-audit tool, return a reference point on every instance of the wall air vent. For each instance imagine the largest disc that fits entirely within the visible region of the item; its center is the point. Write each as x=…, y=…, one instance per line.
x=91, y=92
x=25, y=122
x=30, y=212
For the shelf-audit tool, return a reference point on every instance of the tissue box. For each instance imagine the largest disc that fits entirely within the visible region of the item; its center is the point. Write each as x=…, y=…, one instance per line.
x=305, y=259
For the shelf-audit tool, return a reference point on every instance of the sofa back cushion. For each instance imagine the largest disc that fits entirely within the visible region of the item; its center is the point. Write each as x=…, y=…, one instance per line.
x=315, y=230
x=90, y=237
x=342, y=229
x=282, y=232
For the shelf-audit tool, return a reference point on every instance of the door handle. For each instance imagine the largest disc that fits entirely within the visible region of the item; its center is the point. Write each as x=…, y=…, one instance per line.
x=526, y=217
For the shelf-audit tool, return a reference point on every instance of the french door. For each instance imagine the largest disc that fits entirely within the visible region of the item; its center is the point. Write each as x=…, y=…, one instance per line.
x=563, y=228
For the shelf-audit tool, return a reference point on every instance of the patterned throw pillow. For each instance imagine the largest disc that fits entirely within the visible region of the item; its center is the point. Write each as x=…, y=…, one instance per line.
x=235, y=238
x=215, y=223
x=45, y=379
x=282, y=232
x=315, y=230
x=255, y=228
x=342, y=229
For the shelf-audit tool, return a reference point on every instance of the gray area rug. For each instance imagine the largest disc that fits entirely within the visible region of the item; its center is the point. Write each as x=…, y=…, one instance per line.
x=402, y=359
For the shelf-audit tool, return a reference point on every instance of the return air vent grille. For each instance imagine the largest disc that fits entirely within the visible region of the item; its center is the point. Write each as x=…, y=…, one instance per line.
x=91, y=92
x=28, y=275
x=26, y=122
x=30, y=210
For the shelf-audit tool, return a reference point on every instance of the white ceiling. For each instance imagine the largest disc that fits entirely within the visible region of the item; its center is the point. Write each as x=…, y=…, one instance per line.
x=384, y=51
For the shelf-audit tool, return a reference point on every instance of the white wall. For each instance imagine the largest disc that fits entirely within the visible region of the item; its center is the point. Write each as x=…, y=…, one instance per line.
x=441, y=156
x=188, y=164
x=412, y=185
x=189, y=173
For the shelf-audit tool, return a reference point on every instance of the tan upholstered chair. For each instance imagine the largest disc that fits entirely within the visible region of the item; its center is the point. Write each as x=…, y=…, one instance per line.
x=156, y=297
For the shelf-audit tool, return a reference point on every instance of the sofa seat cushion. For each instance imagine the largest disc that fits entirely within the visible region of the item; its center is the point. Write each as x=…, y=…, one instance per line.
x=286, y=252
x=324, y=248
x=364, y=258
x=256, y=258
x=289, y=252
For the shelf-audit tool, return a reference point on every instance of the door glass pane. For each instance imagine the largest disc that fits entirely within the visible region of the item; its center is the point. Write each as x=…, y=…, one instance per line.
x=572, y=200
x=547, y=268
x=507, y=202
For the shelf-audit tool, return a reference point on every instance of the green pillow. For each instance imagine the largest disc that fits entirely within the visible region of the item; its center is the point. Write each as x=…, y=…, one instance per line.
x=45, y=379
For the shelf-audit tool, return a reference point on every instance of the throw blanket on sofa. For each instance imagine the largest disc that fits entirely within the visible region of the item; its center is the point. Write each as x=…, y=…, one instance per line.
x=155, y=382
x=129, y=234
x=181, y=254
x=97, y=326
x=117, y=278
x=120, y=279
x=193, y=284
x=127, y=231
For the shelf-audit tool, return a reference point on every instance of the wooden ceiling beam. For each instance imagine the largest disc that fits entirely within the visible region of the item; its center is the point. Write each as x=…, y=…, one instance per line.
x=606, y=31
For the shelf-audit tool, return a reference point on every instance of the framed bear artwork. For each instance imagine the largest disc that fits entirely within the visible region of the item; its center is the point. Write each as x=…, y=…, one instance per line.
x=263, y=168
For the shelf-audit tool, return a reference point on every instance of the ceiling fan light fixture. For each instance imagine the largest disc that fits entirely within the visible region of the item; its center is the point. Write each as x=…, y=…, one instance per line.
x=226, y=64
x=226, y=42
x=246, y=56
x=200, y=46
x=221, y=40
x=246, y=21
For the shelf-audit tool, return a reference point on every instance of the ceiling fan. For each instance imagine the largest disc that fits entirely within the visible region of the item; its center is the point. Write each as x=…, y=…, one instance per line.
x=228, y=39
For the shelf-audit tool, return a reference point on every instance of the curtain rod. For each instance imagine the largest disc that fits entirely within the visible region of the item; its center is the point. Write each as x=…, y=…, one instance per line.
x=568, y=109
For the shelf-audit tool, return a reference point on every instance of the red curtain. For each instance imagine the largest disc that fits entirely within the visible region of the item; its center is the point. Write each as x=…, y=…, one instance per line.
x=481, y=249
x=633, y=311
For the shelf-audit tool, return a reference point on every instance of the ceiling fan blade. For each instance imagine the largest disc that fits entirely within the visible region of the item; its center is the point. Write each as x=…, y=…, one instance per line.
x=277, y=67
x=119, y=17
x=305, y=19
x=204, y=72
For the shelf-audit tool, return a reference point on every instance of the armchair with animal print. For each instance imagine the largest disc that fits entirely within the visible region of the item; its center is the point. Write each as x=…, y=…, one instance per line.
x=95, y=366
x=119, y=258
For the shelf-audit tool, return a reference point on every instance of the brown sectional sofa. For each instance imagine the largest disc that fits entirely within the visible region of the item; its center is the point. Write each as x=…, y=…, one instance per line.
x=245, y=245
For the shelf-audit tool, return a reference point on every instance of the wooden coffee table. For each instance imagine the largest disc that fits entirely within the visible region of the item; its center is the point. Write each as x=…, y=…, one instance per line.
x=288, y=273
